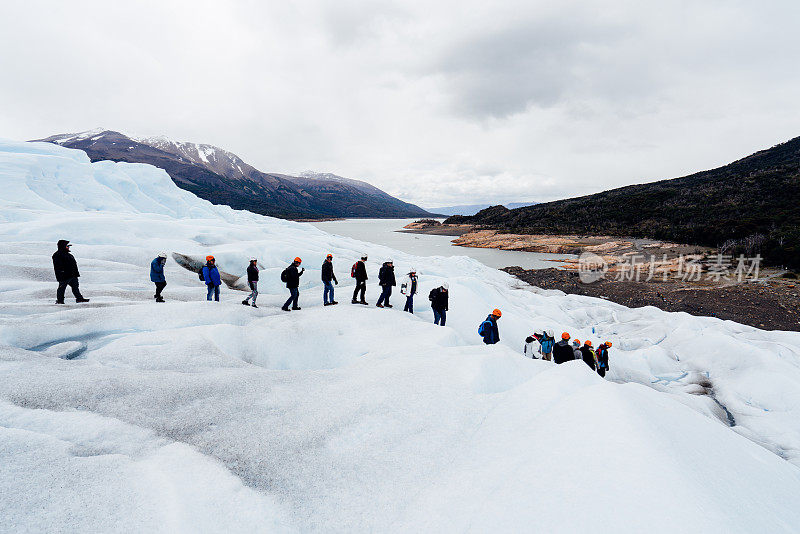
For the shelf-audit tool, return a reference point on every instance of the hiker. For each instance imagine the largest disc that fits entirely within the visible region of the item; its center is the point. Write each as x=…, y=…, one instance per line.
x=157, y=275
x=67, y=274
x=328, y=278
x=546, y=341
x=408, y=287
x=386, y=280
x=252, y=282
x=440, y=297
x=588, y=355
x=602, y=358
x=291, y=276
x=576, y=349
x=359, y=272
x=562, y=351
x=529, y=349
x=210, y=275
x=488, y=328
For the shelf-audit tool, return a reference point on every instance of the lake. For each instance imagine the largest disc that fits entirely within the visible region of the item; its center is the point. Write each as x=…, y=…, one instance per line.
x=384, y=232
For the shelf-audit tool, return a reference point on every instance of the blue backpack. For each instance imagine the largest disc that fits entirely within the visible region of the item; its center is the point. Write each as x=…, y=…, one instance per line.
x=483, y=326
x=547, y=345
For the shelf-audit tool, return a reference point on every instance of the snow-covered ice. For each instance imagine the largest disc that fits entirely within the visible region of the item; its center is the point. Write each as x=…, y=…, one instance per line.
x=126, y=415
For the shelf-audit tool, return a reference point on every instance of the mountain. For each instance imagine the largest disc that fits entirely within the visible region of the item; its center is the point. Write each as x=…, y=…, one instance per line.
x=222, y=177
x=749, y=206
x=472, y=209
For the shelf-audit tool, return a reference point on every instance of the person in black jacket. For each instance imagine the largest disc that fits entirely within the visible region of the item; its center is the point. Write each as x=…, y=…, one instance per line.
x=562, y=351
x=67, y=274
x=589, y=357
x=292, y=276
x=386, y=280
x=328, y=278
x=252, y=282
x=439, y=298
x=360, y=274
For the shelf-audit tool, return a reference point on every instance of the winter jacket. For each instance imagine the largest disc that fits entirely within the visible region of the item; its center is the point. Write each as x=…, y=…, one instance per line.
x=64, y=263
x=562, y=352
x=211, y=275
x=408, y=286
x=293, y=276
x=439, y=299
x=489, y=331
x=530, y=349
x=252, y=273
x=386, y=276
x=157, y=270
x=589, y=357
x=327, y=272
x=602, y=357
x=361, y=272
x=546, y=343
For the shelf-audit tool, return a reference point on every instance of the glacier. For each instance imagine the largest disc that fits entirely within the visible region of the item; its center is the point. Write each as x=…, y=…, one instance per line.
x=126, y=416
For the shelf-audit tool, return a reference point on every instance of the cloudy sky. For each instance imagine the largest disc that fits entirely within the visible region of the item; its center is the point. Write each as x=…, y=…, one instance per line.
x=437, y=102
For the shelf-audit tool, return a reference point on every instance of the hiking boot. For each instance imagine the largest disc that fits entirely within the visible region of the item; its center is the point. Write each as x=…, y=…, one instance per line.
x=333, y=302
x=59, y=302
x=388, y=306
x=81, y=300
x=159, y=299
x=285, y=308
x=354, y=302
x=364, y=302
x=245, y=303
x=379, y=305
x=254, y=305
x=296, y=308
x=327, y=303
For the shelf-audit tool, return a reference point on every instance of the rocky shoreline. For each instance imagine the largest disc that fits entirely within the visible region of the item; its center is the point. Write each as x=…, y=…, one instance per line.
x=770, y=305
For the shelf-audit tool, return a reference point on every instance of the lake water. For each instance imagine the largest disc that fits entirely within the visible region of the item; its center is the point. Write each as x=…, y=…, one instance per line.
x=384, y=232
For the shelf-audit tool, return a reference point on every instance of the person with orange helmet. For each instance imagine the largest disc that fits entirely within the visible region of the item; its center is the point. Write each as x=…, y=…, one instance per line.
x=210, y=275
x=562, y=352
x=602, y=358
x=576, y=349
x=588, y=355
x=291, y=277
x=488, y=329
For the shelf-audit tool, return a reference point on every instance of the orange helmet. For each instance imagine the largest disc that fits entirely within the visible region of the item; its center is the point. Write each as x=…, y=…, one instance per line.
x=209, y=258
x=497, y=313
x=298, y=260
x=608, y=344
x=330, y=256
x=588, y=343
x=576, y=340
x=565, y=335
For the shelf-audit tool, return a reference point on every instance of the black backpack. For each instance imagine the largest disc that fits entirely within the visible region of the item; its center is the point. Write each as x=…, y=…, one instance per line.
x=283, y=275
x=200, y=274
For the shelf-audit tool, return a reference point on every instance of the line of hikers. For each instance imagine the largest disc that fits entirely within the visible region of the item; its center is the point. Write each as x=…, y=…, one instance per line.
x=66, y=270
x=564, y=351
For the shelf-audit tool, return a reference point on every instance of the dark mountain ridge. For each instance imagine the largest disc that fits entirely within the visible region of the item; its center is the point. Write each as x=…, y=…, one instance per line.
x=749, y=206
x=221, y=177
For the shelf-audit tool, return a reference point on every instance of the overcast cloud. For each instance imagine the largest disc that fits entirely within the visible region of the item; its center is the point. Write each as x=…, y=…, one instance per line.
x=436, y=102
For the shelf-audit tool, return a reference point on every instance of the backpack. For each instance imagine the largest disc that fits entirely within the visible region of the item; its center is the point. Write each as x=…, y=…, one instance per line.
x=432, y=294
x=353, y=270
x=283, y=275
x=200, y=274
x=482, y=328
x=547, y=345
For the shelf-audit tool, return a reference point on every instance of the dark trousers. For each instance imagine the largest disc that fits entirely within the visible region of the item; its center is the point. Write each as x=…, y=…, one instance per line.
x=213, y=290
x=294, y=294
x=327, y=293
x=386, y=292
x=159, y=288
x=62, y=287
x=360, y=287
x=601, y=371
x=439, y=316
x=409, y=304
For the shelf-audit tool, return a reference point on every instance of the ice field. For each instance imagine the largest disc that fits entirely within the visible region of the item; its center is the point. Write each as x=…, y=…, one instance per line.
x=123, y=415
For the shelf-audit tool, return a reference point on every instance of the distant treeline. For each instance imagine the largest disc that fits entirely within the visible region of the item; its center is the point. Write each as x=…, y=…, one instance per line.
x=748, y=207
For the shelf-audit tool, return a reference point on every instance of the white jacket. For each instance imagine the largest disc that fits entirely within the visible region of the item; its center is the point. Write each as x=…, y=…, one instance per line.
x=405, y=286
x=530, y=350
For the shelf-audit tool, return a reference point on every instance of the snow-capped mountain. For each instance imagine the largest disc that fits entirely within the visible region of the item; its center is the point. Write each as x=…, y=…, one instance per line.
x=123, y=415
x=222, y=177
